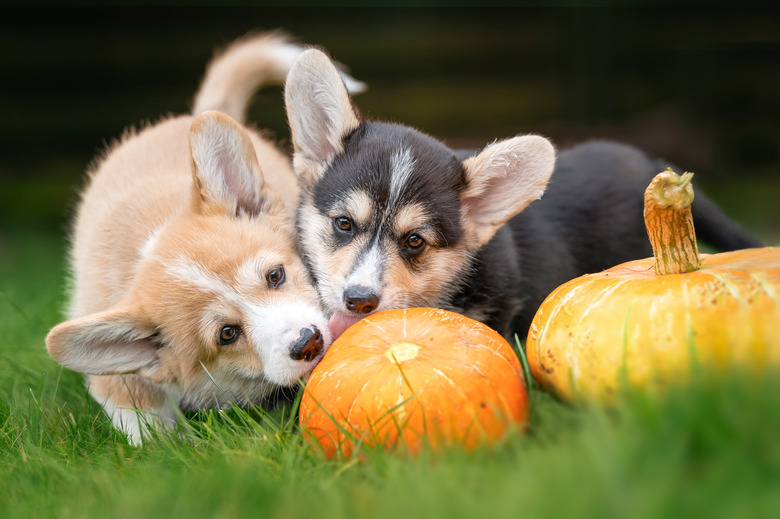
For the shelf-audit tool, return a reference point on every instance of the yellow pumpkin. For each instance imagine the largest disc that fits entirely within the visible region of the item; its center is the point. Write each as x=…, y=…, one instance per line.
x=648, y=323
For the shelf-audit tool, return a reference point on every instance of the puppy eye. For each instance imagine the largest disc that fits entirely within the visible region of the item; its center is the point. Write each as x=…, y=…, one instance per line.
x=414, y=242
x=343, y=223
x=275, y=277
x=228, y=334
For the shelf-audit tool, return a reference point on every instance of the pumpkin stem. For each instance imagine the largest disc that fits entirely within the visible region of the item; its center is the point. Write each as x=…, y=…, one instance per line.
x=669, y=223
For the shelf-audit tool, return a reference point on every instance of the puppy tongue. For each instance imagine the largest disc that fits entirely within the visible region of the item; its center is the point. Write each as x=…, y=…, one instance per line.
x=339, y=322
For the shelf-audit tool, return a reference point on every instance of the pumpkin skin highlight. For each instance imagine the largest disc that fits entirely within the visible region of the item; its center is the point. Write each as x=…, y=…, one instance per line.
x=410, y=378
x=630, y=326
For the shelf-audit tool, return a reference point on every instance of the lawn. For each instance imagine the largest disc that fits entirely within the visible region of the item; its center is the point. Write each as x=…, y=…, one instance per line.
x=709, y=450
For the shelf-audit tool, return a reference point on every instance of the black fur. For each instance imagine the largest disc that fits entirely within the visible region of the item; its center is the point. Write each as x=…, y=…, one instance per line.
x=590, y=218
x=364, y=166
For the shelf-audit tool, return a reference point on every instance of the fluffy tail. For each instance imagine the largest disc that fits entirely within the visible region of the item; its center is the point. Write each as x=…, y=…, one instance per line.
x=234, y=74
x=716, y=229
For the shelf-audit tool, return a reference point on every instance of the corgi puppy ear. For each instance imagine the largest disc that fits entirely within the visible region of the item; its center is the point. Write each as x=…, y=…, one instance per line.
x=226, y=174
x=502, y=180
x=107, y=343
x=320, y=113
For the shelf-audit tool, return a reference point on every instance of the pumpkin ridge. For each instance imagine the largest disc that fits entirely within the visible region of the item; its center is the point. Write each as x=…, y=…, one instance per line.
x=505, y=409
x=693, y=357
x=354, y=401
x=574, y=369
x=421, y=334
x=686, y=292
x=472, y=411
x=448, y=379
x=539, y=340
x=725, y=283
x=623, y=372
x=568, y=295
x=398, y=409
x=477, y=370
x=765, y=285
x=395, y=415
x=375, y=324
x=492, y=351
x=604, y=294
x=401, y=372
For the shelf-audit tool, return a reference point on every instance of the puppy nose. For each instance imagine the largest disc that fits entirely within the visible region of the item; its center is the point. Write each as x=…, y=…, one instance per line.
x=360, y=299
x=308, y=344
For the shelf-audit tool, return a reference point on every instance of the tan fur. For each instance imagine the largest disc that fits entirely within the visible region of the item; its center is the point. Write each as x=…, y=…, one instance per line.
x=175, y=236
x=229, y=84
x=412, y=217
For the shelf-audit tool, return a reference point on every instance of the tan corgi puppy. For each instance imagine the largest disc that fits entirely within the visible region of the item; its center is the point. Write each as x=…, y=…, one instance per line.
x=187, y=291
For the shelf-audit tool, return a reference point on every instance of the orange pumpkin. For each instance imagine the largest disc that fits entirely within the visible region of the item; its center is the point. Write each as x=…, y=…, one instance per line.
x=647, y=323
x=414, y=377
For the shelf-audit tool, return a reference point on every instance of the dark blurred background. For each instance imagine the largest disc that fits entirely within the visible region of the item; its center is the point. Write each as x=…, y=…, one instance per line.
x=698, y=86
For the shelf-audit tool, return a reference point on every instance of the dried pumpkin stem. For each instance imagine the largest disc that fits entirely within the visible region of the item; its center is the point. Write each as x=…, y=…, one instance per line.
x=669, y=223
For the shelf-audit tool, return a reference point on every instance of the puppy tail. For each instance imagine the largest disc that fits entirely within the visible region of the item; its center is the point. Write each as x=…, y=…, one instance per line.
x=716, y=229
x=235, y=73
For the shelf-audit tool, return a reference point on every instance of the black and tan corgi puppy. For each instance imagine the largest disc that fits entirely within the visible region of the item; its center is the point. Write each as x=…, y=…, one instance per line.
x=390, y=217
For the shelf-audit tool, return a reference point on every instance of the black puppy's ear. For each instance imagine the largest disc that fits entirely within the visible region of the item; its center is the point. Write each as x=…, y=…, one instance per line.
x=502, y=180
x=320, y=113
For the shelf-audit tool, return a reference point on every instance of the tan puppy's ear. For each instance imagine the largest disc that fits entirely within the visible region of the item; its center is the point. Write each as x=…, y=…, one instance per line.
x=320, y=113
x=502, y=180
x=226, y=174
x=115, y=341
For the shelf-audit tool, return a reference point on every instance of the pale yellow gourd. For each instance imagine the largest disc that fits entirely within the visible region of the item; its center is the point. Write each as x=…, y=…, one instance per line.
x=648, y=323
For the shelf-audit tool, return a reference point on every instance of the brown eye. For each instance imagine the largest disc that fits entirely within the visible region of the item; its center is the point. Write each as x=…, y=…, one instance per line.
x=275, y=277
x=343, y=223
x=228, y=334
x=414, y=242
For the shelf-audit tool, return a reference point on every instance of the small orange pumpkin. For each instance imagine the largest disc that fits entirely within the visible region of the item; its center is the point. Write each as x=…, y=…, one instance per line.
x=645, y=323
x=414, y=377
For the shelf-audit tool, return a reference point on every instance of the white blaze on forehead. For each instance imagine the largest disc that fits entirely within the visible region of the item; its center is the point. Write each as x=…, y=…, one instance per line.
x=401, y=167
x=249, y=273
x=191, y=273
x=368, y=272
x=150, y=242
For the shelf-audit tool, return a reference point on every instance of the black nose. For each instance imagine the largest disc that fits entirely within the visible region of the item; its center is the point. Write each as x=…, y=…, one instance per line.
x=360, y=299
x=308, y=344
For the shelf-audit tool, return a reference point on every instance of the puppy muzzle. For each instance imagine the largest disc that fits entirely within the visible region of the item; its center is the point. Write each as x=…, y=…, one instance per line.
x=360, y=300
x=308, y=345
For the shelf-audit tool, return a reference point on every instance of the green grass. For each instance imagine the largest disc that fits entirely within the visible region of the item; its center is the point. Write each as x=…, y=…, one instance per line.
x=710, y=450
